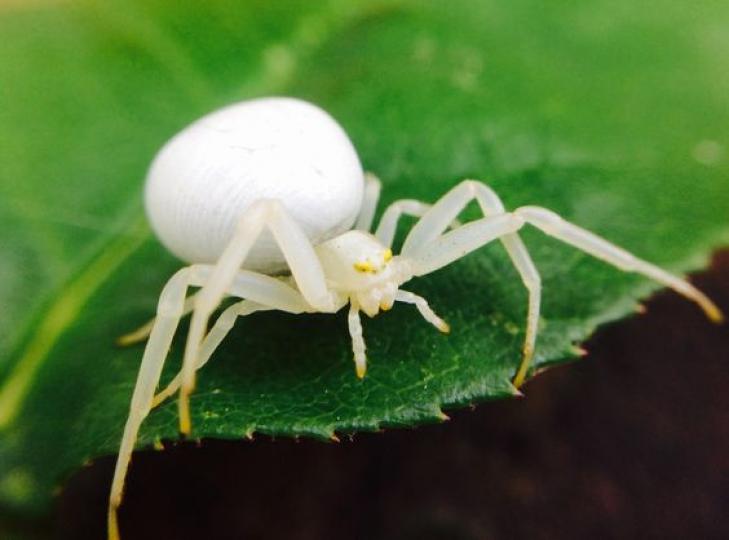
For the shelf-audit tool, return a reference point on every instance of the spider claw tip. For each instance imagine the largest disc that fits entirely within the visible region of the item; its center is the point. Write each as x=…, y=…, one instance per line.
x=516, y=385
x=716, y=316
x=185, y=429
x=515, y=392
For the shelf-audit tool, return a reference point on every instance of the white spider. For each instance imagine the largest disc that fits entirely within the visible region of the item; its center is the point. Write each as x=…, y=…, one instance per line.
x=274, y=185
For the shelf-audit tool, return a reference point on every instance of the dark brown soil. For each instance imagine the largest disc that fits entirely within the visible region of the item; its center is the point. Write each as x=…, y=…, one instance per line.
x=630, y=442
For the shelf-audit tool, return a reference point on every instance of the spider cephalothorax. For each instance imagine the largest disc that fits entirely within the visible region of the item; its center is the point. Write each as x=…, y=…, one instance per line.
x=357, y=265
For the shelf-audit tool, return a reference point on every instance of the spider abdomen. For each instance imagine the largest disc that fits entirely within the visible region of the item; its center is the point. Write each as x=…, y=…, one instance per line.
x=205, y=177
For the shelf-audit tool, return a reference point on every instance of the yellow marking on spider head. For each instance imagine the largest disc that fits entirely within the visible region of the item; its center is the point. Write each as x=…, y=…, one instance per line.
x=365, y=266
x=387, y=256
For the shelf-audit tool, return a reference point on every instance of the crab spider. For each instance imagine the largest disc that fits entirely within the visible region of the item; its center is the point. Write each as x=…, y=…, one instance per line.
x=226, y=195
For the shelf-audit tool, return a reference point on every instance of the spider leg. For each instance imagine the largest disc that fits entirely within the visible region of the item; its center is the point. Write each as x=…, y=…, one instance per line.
x=430, y=249
x=169, y=311
x=424, y=309
x=217, y=333
x=459, y=242
x=358, y=345
x=553, y=225
x=369, y=202
x=142, y=333
x=387, y=227
x=300, y=257
x=262, y=293
x=442, y=214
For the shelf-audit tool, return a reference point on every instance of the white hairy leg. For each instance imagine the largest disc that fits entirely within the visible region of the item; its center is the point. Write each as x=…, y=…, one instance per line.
x=261, y=290
x=142, y=333
x=553, y=225
x=369, y=202
x=424, y=309
x=453, y=245
x=432, y=252
x=262, y=293
x=236, y=289
x=387, y=227
x=300, y=258
x=358, y=345
x=215, y=337
x=169, y=311
x=444, y=211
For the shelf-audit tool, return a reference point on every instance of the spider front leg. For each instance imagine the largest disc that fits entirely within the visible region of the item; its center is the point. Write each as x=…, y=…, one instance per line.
x=569, y=233
x=431, y=250
x=443, y=214
x=387, y=227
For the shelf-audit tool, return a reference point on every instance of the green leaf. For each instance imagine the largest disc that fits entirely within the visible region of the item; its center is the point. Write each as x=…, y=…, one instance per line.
x=613, y=113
